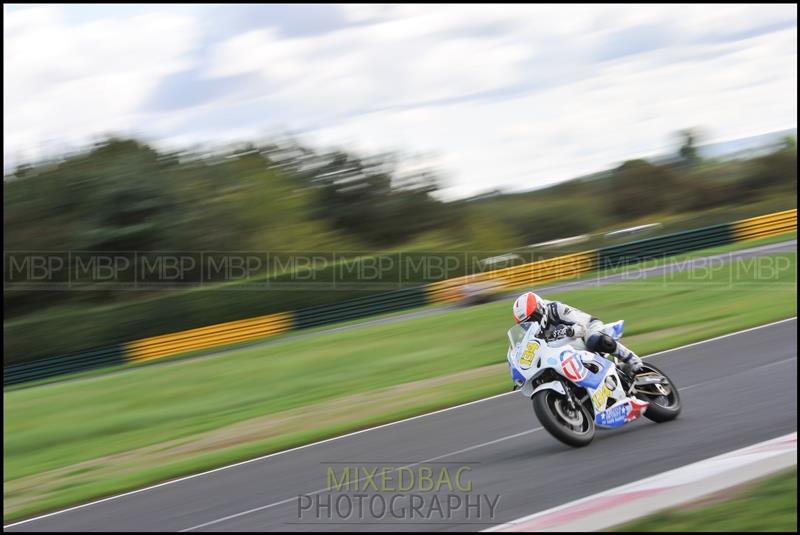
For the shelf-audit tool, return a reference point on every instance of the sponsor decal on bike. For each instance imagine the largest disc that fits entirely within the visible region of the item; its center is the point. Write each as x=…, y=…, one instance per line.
x=613, y=417
x=600, y=397
x=572, y=366
x=636, y=410
x=622, y=413
x=529, y=355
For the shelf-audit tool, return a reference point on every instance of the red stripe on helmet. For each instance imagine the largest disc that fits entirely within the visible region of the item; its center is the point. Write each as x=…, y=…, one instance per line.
x=531, y=306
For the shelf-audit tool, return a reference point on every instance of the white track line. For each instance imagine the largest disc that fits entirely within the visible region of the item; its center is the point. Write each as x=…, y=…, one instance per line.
x=192, y=476
x=287, y=500
x=432, y=459
x=686, y=483
x=443, y=456
x=261, y=458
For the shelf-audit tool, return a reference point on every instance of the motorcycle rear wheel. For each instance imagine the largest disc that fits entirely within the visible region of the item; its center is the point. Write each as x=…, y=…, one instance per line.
x=572, y=427
x=665, y=404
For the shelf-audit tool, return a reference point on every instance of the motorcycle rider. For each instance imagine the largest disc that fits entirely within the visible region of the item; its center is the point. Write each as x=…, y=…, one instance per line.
x=559, y=320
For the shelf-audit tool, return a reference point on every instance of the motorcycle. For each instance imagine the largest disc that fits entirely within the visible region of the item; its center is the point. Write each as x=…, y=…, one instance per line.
x=575, y=391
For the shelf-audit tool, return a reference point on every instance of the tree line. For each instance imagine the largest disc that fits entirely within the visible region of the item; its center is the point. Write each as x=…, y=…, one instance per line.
x=126, y=195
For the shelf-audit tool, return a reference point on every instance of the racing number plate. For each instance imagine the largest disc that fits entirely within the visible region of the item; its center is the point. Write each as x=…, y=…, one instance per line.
x=529, y=355
x=601, y=396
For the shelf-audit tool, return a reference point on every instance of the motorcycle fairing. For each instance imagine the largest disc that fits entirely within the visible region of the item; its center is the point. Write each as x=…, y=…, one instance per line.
x=593, y=380
x=621, y=412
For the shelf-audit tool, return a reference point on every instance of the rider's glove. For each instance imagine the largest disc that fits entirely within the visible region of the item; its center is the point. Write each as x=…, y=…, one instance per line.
x=558, y=334
x=634, y=363
x=571, y=331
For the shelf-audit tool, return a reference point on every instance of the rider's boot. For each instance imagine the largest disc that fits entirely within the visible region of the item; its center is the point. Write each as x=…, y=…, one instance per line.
x=631, y=363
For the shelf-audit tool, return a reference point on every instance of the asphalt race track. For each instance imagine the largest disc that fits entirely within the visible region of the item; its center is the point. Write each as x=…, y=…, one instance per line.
x=736, y=390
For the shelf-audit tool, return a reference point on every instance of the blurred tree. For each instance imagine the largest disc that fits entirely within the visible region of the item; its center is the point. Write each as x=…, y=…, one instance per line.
x=128, y=197
x=637, y=188
x=688, y=150
x=368, y=198
x=771, y=173
x=121, y=194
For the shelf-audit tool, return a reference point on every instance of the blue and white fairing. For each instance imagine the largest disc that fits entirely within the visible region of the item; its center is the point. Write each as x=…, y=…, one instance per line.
x=529, y=356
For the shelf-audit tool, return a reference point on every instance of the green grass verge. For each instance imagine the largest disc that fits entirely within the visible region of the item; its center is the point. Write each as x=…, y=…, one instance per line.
x=213, y=351
x=74, y=326
x=710, y=251
x=292, y=334
x=770, y=505
x=62, y=425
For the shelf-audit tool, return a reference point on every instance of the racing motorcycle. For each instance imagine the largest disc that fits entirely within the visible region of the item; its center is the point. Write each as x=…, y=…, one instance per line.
x=572, y=396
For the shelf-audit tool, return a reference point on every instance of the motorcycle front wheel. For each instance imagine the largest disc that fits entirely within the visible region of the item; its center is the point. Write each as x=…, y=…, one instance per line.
x=574, y=427
x=665, y=403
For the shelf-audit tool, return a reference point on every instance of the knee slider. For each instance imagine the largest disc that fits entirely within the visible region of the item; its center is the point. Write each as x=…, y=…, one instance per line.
x=601, y=343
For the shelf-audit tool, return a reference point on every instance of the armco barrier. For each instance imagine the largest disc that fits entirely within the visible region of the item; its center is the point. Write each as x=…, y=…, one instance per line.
x=360, y=307
x=562, y=267
x=212, y=336
x=442, y=291
x=63, y=364
x=766, y=225
x=558, y=268
x=658, y=247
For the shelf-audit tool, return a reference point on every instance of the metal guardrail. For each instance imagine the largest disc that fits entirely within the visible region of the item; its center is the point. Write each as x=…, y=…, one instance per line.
x=63, y=364
x=670, y=244
x=551, y=269
x=766, y=225
x=215, y=335
x=360, y=307
x=533, y=272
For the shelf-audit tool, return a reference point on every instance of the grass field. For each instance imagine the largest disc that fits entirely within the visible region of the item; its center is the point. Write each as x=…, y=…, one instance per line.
x=768, y=505
x=632, y=268
x=69, y=442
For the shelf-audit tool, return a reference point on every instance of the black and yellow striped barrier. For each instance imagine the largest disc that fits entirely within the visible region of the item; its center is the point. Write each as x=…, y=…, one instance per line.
x=765, y=225
x=221, y=334
x=552, y=269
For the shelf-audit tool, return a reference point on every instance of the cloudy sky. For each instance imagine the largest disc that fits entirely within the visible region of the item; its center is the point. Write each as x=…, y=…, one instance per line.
x=510, y=96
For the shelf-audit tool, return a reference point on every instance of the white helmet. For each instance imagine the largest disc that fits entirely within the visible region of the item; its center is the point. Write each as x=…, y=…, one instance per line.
x=528, y=307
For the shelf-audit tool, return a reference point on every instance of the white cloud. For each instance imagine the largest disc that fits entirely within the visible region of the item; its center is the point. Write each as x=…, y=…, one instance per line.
x=69, y=82
x=385, y=64
x=630, y=108
x=400, y=79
